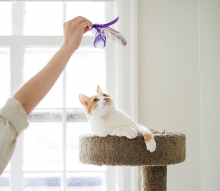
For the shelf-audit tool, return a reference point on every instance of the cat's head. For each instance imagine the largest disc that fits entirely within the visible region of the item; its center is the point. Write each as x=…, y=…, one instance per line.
x=99, y=105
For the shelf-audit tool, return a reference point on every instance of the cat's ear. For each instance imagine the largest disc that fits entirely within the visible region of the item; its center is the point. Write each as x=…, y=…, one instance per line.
x=84, y=100
x=99, y=90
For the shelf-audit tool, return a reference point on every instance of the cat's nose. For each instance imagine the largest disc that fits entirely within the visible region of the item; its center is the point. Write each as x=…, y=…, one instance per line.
x=107, y=99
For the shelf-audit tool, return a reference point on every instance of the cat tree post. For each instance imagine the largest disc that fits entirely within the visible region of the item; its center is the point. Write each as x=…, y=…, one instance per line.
x=120, y=151
x=154, y=178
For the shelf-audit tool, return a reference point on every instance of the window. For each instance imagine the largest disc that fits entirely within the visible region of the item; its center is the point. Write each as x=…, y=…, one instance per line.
x=48, y=149
x=4, y=74
x=45, y=157
x=4, y=82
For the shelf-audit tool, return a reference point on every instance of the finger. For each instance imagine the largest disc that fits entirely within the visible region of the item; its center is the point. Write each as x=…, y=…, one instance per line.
x=86, y=23
x=86, y=29
x=74, y=20
x=78, y=19
x=81, y=19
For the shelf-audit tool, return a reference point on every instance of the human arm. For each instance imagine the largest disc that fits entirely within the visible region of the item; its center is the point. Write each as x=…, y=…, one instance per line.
x=34, y=90
x=13, y=116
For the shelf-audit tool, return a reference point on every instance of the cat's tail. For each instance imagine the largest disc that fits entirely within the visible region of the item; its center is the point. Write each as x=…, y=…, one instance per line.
x=148, y=137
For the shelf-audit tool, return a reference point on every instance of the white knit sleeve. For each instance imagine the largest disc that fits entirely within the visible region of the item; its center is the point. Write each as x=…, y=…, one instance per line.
x=13, y=120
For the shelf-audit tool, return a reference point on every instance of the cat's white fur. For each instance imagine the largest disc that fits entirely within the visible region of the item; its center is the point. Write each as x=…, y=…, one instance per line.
x=105, y=119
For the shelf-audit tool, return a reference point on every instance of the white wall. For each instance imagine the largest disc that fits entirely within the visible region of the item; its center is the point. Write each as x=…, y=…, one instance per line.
x=176, y=51
x=210, y=92
x=169, y=87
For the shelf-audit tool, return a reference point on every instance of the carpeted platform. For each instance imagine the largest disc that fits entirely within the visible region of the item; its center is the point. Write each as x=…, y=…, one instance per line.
x=120, y=151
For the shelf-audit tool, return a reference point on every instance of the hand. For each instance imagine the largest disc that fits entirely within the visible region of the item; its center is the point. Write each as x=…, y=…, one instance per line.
x=73, y=31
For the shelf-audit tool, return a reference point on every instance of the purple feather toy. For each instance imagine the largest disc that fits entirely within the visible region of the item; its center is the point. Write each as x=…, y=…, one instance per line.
x=101, y=31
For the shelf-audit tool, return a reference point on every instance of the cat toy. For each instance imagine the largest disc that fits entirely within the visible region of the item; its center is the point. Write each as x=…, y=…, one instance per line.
x=101, y=31
x=164, y=132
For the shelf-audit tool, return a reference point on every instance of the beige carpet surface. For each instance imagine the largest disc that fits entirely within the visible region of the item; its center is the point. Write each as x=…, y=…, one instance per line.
x=121, y=151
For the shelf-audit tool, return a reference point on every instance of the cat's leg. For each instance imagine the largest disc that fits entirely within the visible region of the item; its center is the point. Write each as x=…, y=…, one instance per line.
x=148, y=137
x=128, y=132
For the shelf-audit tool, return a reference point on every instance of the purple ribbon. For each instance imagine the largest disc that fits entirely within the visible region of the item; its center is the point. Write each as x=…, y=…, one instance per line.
x=99, y=31
x=105, y=25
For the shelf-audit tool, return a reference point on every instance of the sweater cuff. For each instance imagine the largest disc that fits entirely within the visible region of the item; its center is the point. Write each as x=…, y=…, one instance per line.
x=15, y=114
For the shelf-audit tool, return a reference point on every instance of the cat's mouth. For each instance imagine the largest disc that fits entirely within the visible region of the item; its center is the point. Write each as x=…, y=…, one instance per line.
x=106, y=103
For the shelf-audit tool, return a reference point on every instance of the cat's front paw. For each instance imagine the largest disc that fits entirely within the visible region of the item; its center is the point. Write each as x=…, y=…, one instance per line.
x=128, y=132
x=151, y=145
x=131, y=133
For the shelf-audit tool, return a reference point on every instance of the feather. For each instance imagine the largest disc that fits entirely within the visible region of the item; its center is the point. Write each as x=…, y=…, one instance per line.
x=99, y=38
x=115, y=35
x=101, y=31
x=95, y=31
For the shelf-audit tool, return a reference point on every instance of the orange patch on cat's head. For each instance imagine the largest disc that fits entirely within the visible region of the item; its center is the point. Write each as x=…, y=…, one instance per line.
x=92, y=104
x=99, y=101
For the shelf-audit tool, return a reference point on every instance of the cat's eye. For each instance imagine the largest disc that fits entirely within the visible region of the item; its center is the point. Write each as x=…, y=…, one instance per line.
x=105, y=95
x=95, y=100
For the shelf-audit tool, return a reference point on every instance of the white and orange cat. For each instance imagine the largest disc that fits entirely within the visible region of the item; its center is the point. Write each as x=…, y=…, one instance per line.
x=105, y=119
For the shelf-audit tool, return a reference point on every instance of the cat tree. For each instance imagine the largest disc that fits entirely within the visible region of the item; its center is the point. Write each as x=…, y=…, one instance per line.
x=120, y=151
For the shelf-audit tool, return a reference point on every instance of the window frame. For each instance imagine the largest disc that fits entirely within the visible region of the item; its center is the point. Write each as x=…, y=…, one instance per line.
x=122, y=81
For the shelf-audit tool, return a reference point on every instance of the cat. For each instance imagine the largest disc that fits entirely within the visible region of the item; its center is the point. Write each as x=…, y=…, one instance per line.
x=105, y=119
